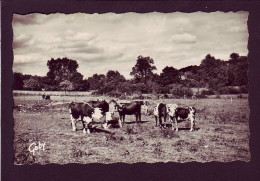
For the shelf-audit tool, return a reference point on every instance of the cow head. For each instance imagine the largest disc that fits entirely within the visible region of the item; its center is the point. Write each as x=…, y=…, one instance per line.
x=109, y=116
x=119, y=108
x=97, y=113
x=155, y=111
x=192, y=110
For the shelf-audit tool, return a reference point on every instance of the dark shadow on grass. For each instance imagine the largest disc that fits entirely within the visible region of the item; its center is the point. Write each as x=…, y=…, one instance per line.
x=188, y=129
x=100, y=130
x=134, y=122
x=169, y=125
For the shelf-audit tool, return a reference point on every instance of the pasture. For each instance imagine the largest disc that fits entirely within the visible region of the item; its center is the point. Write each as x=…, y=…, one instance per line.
x=221, y=134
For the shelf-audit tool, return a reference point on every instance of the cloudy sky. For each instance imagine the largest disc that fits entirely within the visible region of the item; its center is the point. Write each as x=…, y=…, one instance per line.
x=102, y=42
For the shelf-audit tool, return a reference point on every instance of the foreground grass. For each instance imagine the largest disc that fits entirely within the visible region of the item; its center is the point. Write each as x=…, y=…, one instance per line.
x=222, y=134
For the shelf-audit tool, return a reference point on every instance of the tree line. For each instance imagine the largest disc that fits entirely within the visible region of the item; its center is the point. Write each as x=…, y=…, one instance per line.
x=217, y=76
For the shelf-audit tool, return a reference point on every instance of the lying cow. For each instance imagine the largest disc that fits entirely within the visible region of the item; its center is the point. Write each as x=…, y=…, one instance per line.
x=160, y=112
x=111, y=118
x=129, y=109
x=86, y=114
x=187, y=113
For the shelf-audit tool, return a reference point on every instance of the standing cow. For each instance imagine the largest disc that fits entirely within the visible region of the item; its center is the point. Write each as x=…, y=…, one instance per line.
x=187, y=113
x=85, y=113
x=129, y=109
x=160, y=111
x=171, y=108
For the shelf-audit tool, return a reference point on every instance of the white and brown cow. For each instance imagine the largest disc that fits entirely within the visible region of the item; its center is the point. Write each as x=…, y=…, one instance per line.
x=160, y=112
x=186, y=113
x=86, y=114
x=171, y=108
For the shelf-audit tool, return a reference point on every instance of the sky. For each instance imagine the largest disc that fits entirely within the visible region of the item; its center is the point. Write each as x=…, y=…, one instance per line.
x=102, y=42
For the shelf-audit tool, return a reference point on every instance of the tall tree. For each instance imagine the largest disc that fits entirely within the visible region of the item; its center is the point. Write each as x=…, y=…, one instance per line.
x=169, y=75
x=96, y=81
x=214, y=72
x=61, y=69
x=18, y=81
x=143, y=68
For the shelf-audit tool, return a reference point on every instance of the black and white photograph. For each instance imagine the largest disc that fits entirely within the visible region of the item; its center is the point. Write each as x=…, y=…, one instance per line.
x=130, y=88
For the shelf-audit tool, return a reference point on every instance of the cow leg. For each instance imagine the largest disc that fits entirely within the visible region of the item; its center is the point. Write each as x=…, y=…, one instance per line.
x=155, y=121
x=172, y=121
x=105, y=125
x=120, y=123
x=136, y=117
x=176, y=124
x=124, y=119
x=140, y=119
x=165, y=116
x=73, y=123
x=192, y=123
x=120, y=120
x=85, y=124
x=160, y=121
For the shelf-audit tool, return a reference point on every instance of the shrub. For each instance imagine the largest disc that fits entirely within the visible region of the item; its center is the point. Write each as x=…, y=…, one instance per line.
x=240, y=96
x=201, y=96
x=207, y=92
x=115, y=94
x=229, y=90
x=218, y=96
x=180, y=92
x=244, y=89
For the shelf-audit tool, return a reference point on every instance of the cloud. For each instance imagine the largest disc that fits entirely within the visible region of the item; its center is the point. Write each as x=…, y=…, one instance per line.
x=236, y=29
x=21, y=40
x=183, y=38
x=25, y=19
x=102, y=42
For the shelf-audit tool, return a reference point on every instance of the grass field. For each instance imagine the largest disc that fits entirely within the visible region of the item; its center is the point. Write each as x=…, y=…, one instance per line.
x=222, y=134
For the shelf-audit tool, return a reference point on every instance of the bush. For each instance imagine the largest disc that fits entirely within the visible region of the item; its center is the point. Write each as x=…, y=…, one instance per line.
x=207, y=92
x=115, y=94
x=138, y=96
x=180, y=92
x=229, y=90
x=240, y=96
x=244, y=89
x=201, y=96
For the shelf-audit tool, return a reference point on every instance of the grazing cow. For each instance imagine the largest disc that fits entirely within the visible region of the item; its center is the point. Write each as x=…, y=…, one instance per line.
x=160, y=111
x=185, y=113
x=129, y=109
x=85, y=113
x=103, y=105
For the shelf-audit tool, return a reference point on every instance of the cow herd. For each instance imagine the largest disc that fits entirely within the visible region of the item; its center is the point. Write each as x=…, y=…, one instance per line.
x=101, y=111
